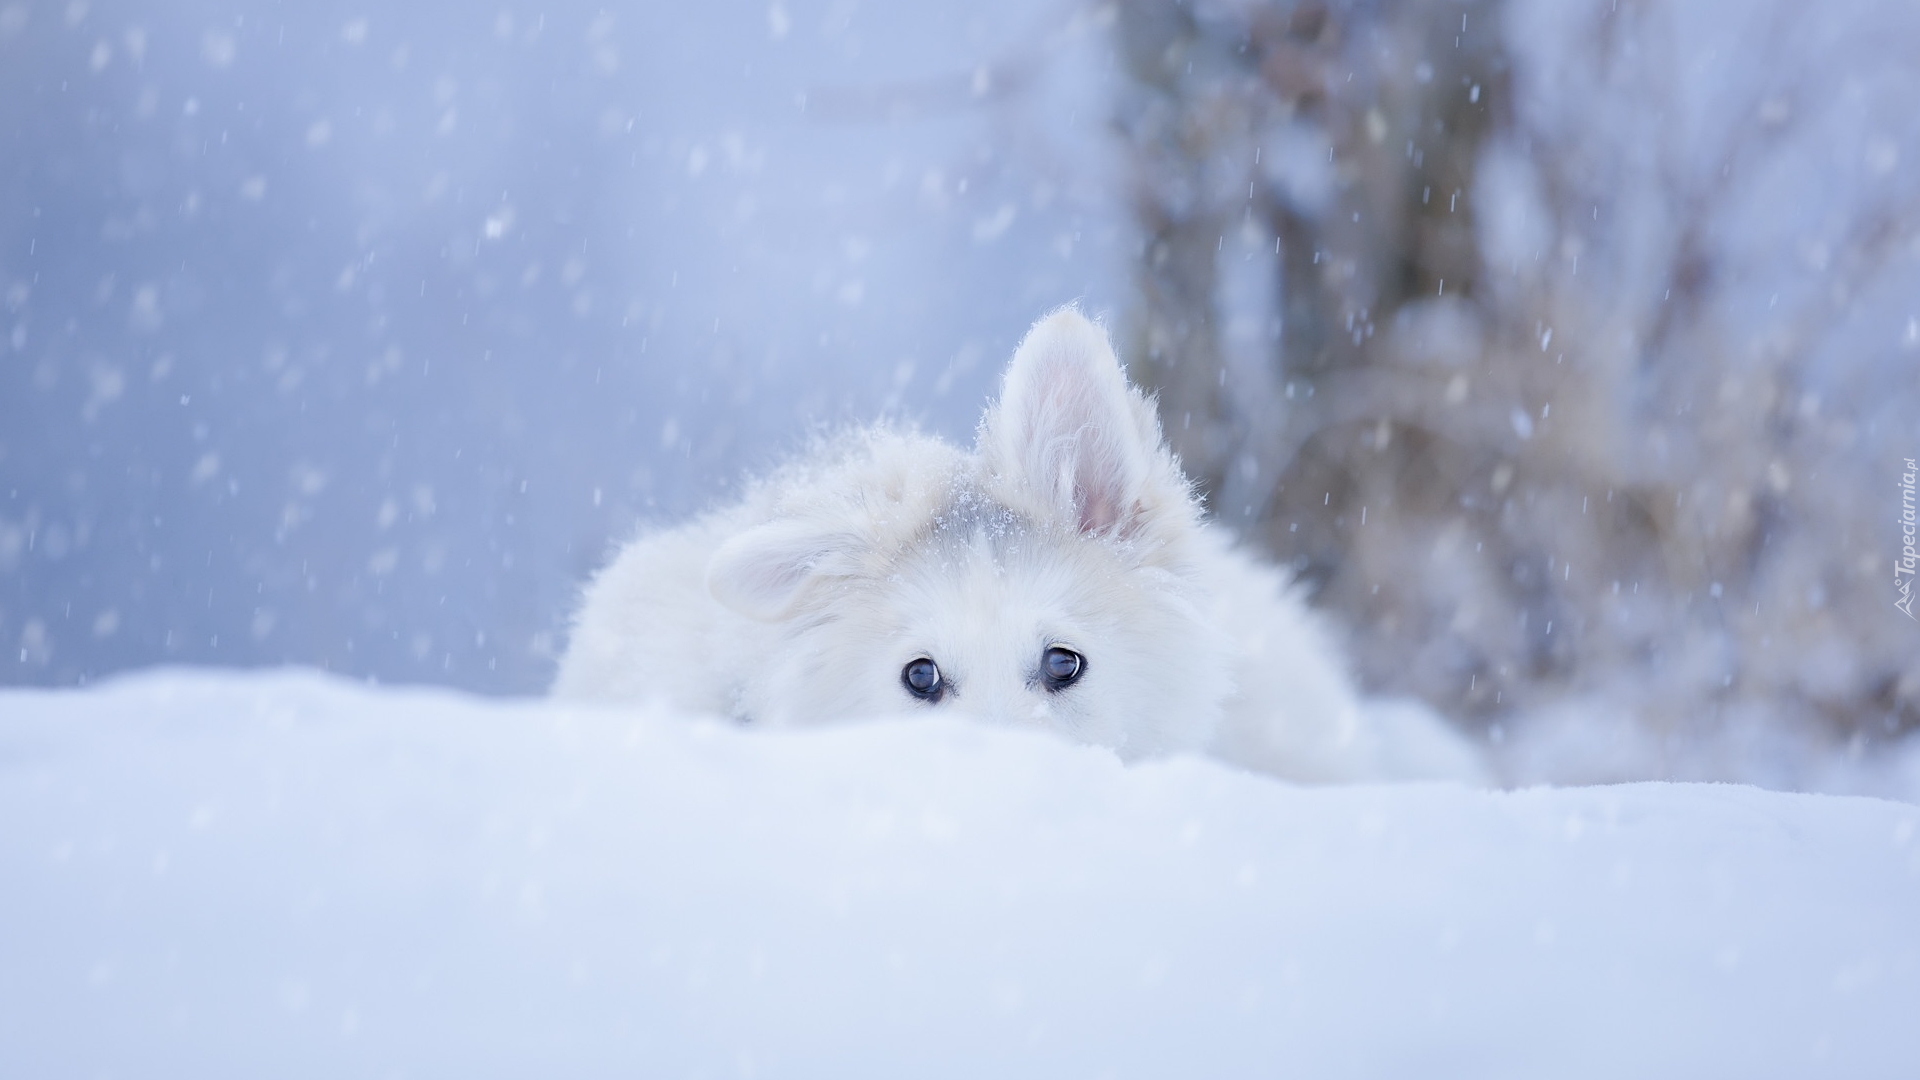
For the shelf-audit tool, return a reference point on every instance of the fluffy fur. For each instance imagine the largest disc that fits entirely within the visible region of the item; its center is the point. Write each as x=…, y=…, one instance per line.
x=1069, y=524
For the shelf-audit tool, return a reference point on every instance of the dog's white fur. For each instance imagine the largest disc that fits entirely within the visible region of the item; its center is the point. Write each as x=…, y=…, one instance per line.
x=1069, y=524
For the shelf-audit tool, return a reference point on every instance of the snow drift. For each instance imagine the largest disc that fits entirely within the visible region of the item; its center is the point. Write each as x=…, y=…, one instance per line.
x=285, y=874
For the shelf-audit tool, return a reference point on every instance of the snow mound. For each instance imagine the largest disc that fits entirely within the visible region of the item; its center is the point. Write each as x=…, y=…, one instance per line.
x=224, y=875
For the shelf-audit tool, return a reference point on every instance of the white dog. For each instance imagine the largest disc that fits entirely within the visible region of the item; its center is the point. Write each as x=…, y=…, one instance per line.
x=1057, y=576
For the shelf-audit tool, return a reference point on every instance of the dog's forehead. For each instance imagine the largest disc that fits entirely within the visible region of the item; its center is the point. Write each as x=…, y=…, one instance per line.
x=971, y=519
x=986, y=557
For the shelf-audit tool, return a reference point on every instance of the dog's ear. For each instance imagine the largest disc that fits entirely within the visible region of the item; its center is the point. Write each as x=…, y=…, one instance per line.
x=1070, y=431
x=763, y=572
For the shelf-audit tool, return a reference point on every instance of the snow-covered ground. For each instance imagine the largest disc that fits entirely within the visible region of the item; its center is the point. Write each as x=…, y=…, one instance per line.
x=285, y=874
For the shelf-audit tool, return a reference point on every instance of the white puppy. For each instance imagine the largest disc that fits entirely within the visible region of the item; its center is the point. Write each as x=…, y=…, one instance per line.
x=1057, y=576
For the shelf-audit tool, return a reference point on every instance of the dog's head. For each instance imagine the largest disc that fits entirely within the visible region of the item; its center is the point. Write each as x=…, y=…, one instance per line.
x=1043, y=580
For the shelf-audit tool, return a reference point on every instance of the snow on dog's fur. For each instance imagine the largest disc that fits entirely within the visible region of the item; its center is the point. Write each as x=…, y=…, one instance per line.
x=1058, y=576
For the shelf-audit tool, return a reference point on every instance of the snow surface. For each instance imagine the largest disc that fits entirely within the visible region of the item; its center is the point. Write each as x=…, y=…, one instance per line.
x=207, y=874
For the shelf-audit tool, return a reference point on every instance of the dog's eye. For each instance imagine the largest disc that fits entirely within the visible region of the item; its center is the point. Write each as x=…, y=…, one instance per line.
x=1061, y=666
x=921, y=677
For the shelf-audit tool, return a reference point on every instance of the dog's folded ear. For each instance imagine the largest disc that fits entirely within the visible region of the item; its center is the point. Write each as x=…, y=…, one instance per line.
x=764, y=572
x=1072, y=435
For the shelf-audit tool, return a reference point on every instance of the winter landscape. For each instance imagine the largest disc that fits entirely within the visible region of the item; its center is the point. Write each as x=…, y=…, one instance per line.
x=1564, y=356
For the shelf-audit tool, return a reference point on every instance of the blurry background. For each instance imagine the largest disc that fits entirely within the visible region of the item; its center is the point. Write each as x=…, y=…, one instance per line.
x=354, y=338
x=1571, y=351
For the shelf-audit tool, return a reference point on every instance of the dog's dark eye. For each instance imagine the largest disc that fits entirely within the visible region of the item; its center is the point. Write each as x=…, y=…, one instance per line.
x=1061, y=666
x=921, y=677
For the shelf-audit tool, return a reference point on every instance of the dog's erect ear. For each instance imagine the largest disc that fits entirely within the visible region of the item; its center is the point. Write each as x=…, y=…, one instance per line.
x=762, y=572
x=1069, y=429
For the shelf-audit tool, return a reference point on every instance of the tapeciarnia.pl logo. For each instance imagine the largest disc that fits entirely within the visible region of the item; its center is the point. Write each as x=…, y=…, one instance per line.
x=1903, y=567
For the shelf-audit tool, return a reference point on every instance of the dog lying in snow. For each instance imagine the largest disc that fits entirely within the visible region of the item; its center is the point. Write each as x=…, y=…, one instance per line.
x=1058, y=575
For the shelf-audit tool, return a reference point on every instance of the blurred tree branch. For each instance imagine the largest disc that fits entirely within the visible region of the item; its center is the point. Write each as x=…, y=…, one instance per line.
x=1555, y=452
